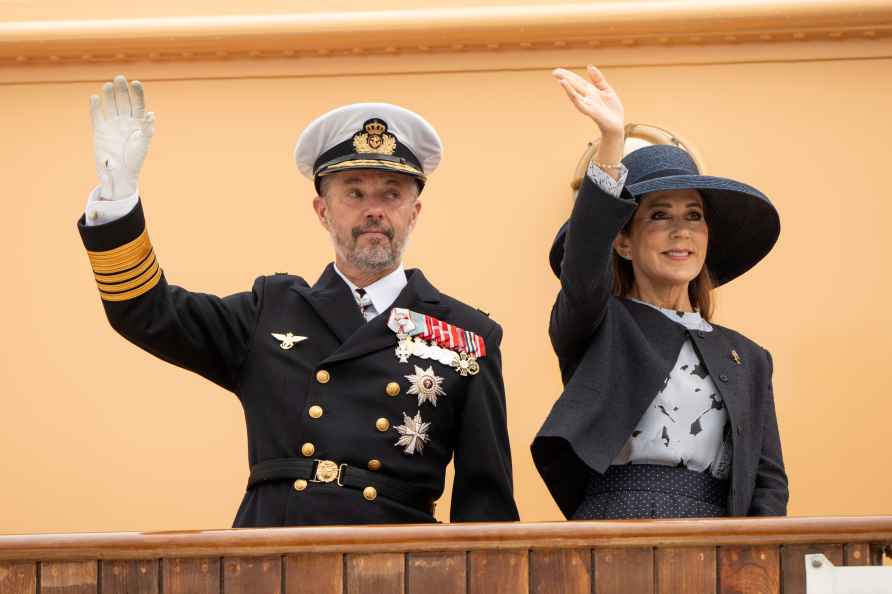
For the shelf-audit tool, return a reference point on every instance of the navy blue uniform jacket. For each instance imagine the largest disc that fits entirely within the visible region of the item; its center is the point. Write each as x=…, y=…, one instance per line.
x=229, y=341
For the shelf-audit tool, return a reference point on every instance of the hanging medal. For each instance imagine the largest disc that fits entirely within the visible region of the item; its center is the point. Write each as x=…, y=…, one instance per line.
x=466, y=364
x=427, y=337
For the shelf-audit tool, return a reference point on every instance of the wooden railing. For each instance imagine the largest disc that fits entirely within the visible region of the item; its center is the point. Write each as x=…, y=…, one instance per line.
x=677, y=556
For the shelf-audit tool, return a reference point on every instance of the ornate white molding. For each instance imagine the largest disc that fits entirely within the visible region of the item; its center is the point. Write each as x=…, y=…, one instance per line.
x=494, y=29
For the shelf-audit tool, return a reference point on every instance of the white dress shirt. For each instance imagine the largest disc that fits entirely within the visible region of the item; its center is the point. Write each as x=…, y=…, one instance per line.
x=383, y=292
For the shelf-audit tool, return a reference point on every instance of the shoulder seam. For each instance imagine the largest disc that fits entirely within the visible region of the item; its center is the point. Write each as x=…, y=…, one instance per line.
x=250, y=346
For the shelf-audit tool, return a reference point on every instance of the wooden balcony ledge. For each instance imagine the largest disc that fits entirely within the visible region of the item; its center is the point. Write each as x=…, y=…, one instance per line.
x=691, y=556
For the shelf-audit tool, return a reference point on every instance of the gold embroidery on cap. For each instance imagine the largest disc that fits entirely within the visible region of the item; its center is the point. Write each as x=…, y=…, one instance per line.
x=375, y=139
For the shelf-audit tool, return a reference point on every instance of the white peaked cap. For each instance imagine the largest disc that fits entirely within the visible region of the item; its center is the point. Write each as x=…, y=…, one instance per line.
x=369, y=136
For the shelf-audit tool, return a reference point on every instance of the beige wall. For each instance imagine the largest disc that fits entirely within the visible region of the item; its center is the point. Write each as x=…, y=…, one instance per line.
x=97, y=435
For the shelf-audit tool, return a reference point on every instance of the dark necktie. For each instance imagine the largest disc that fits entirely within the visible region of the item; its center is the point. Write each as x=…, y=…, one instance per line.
x=365, y=305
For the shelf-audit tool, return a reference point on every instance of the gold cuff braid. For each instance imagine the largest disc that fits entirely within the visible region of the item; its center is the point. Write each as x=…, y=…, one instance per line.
x=127, y=271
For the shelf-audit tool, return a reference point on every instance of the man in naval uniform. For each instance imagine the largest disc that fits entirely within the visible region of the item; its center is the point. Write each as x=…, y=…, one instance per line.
x=358, y=389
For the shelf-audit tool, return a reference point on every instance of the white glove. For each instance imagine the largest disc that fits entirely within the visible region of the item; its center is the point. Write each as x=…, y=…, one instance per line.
x=121, y=133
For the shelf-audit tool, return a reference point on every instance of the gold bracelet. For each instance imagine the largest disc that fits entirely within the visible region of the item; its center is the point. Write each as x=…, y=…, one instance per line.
x=606, y=166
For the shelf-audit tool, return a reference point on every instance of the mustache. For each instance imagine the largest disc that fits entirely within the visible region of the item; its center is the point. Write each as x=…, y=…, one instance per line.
x=376, y=227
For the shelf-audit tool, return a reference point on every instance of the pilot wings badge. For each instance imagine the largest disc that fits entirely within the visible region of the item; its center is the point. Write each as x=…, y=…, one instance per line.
x=287, y=340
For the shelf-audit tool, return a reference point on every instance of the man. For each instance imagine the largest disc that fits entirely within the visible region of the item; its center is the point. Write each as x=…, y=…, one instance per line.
x=357, y=390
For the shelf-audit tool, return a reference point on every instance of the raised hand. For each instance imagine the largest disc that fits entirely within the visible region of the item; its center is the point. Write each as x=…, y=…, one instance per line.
x=598, y=100
x=121, y=133
x=595, y=99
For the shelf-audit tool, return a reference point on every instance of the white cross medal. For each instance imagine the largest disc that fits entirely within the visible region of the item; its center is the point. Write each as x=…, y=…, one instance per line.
x=400, y=321
x=413, y=434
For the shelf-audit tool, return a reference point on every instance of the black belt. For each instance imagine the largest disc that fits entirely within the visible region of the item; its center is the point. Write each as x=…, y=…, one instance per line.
x=342, y=475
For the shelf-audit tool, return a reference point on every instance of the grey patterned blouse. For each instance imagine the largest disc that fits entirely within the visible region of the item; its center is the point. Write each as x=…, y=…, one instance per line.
x=685, y=424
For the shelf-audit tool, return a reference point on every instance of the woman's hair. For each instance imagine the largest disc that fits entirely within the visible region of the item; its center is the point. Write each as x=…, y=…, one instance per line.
x=699, y=289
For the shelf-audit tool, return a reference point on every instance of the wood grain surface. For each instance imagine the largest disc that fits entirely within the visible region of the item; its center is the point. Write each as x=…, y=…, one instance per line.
x=749, y=570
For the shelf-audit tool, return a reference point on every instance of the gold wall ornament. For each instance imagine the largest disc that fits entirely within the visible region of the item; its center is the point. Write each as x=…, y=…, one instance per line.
x=636, y=135
x=375, y=139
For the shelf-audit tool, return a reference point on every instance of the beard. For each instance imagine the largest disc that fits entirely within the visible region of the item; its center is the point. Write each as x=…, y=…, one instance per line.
x=373, y=255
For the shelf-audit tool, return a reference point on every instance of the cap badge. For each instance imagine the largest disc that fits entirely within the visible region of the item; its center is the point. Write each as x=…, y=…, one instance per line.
x=374, y=138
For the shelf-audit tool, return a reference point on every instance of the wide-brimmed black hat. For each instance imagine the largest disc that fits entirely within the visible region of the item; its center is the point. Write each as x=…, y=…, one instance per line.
x=743, y=224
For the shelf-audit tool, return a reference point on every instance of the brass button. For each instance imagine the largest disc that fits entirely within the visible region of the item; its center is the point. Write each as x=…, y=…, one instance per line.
x=393, y=389
x=374, y=464
x=370, y=493
x=308, y=449
x=382, y=424
x=323, y=376
x=300, y=485
x=315, y=411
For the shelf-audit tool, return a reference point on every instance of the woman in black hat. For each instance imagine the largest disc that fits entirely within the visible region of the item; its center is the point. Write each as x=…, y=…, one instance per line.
x=664, y=414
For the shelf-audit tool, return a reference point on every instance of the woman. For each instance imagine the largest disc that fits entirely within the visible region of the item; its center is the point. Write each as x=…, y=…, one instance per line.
x=663, y=414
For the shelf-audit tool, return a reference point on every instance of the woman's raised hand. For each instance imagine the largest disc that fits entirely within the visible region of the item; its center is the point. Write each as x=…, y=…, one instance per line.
x=596, y=99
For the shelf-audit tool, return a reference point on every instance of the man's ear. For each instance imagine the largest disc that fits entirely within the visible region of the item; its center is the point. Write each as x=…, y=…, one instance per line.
x=321, y=208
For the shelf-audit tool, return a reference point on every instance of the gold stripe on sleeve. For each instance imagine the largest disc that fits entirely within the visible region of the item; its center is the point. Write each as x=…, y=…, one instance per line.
x=129, y=284
x=116, y=278
x=134, y=293
x=123, y=257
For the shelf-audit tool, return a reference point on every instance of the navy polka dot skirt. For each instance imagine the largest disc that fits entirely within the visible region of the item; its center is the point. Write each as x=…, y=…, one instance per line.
x=649, y=491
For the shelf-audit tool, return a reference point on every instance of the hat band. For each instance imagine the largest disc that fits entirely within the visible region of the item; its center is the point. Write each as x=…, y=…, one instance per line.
x=663, y=173
x=345, y=150
x=371, y=164
x=354, y=160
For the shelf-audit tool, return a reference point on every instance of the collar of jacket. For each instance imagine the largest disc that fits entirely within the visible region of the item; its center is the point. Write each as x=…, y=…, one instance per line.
x=332, y=301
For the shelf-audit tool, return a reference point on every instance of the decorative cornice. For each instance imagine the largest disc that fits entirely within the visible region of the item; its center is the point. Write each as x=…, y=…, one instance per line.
x=642, y=23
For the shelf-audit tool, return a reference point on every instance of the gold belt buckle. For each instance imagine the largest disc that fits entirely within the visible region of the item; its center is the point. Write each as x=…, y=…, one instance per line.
x=328, y=471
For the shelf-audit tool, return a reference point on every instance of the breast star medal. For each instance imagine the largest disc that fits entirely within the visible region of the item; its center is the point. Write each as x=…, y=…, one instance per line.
x=413, y=434
x=287, y=340
x=426, y=384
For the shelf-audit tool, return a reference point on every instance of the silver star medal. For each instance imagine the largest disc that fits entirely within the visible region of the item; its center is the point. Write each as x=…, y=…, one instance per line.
x=426, y=384
x=413, y=434
x=287, y=340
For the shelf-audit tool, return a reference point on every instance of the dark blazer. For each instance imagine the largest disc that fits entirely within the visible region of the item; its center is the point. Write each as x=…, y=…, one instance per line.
x=614, y=356
x=229, y=341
